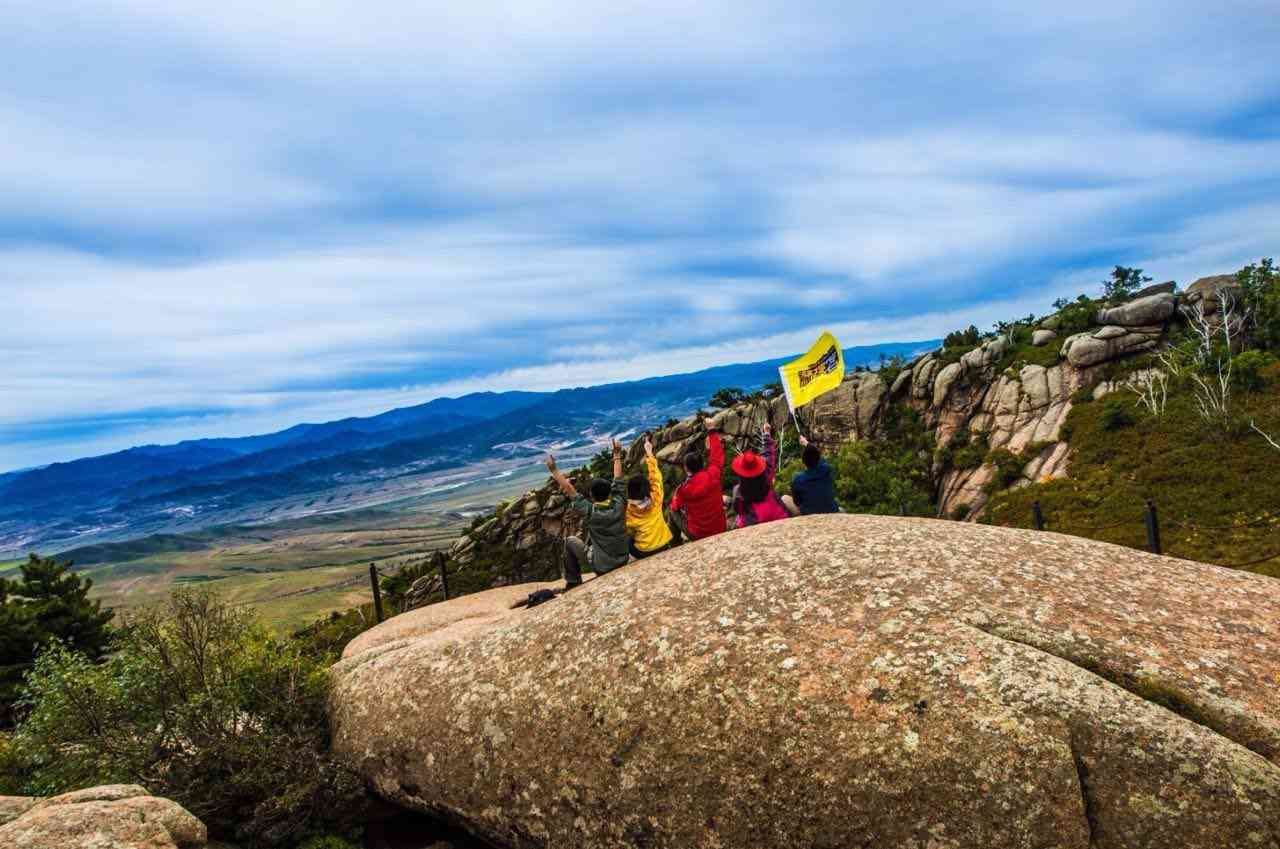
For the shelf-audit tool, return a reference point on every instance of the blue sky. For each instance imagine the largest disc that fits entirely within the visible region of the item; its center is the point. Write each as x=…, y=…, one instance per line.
x=226, y=218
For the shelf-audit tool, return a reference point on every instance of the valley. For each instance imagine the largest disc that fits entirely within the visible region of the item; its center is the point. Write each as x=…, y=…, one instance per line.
x=296, y=569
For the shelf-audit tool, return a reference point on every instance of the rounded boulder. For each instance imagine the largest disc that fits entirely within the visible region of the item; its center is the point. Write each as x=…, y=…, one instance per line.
x=836, y=681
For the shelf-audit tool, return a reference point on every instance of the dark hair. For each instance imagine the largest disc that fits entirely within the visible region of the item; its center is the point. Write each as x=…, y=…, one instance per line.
x=754, y=490
x=638, y=487
x=693, y=462
x=600, y=489
x=811, y=455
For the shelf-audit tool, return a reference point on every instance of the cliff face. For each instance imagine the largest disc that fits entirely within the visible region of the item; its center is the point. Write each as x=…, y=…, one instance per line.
x=1012, y=392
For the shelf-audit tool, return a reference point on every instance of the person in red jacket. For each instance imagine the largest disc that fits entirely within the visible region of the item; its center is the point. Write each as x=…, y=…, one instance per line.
x=698, y=504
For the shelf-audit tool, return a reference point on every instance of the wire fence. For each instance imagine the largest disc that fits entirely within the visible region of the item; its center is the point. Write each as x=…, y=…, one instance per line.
x=442, y=568
x=1150, y=520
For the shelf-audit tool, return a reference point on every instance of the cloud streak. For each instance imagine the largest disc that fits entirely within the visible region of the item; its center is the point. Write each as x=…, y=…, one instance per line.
x=226, y=219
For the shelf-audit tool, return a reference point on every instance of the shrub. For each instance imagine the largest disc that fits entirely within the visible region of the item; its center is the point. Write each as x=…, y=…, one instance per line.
x=971, y=450
x=967, y=339
x=1075, y=316
x=728, y=397
x=1249, y=369
x=787, y=473
x=1260, y=283
x=199, y=704
x=960, y=512
x=1008, y=468
x=48, y=603
x=889, y=475
x=1115, y=414
x=1122, y=283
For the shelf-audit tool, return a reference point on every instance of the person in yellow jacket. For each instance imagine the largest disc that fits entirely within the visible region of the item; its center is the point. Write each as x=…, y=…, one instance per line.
x=646, y=525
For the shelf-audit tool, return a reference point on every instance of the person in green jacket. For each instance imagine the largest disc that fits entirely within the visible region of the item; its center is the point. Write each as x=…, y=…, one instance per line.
x=604, y=520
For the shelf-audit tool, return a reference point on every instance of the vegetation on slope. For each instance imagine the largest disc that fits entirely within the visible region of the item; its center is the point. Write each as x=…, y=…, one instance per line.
x=198, y=703
x=1217, y=491
x=1194, y=430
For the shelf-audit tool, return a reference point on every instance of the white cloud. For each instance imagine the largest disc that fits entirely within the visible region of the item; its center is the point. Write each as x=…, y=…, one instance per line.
x=256, y=214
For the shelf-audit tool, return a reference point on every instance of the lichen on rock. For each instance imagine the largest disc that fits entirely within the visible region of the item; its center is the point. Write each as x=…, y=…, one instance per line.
x=845, y=681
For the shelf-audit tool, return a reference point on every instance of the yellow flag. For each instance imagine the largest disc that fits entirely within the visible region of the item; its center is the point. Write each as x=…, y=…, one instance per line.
x=817, y=371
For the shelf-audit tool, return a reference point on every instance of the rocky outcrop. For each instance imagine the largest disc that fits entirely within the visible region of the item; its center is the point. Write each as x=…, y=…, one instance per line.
x=843, y=681
x=115, y=816
x=989, y=391
x=1140, y=312
x=1108, y=343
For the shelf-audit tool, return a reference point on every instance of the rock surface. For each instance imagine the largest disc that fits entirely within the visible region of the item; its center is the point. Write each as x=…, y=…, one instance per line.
x=114, y=816
x=843, y=681
x=1016, y=407
x=1107, y=343
x=1043, y=337
x=1145, y=311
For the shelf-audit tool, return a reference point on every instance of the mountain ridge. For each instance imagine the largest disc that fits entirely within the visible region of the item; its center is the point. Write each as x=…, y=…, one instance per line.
x=196, y=483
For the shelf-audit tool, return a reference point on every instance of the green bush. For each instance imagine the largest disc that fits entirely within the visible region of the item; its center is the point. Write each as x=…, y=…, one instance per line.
x=1008, y=468
x=1122, y=283
x=1260, y=283
x=202, y=705
x=727, y=397
x=46, y=604
x=1249, y=369
x=1075, y=316
x=787, y=473
x=1116, y=414
x=891, y=474
x=966, y=339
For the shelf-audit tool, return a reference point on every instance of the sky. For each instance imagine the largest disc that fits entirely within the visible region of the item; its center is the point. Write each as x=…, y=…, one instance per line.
x=223, y=219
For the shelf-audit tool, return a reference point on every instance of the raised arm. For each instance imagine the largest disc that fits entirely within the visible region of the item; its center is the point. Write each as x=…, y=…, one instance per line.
x=715, y=449
x=770, y=451
x=560, y=479
x=655, y=473
x=617, y=460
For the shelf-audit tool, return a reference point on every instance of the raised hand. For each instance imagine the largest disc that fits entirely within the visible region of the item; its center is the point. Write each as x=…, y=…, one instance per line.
x=767, y=428
x=551, y=463
x=804, y=443
x=648, y=446
x=617, y=448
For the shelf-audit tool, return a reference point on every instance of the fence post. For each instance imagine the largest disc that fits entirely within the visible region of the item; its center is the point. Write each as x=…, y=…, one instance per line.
x=1036, y=516
x=1153, y=528
x=444, y=573
x=377, y=592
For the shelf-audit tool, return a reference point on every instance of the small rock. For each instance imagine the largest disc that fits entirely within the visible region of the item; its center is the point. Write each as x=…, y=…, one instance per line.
x=115, y=816
x=1043, y=337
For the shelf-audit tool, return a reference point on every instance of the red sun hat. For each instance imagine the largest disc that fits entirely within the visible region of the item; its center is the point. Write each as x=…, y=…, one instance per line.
x=748, y=464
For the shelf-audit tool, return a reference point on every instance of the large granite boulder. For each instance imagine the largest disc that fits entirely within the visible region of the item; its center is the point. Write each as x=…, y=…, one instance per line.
x=1149, y=310
x=1090, y=348
x=114, y=816
x=843, y=681
x=1208, y=294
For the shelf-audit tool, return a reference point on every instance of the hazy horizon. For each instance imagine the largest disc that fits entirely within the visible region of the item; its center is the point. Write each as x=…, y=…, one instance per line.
x=230, y=219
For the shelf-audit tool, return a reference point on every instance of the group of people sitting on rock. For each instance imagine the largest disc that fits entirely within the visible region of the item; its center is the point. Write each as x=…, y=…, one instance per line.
x=624, y=520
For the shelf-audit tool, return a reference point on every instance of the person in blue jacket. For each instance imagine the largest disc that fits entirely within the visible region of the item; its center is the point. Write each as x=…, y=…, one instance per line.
x=814, y=489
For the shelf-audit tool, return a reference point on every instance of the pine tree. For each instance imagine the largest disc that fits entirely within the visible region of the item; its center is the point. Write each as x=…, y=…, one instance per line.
x=47, y=603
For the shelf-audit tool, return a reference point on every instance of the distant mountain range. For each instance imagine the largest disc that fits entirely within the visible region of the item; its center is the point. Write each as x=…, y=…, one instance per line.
x=200, y=482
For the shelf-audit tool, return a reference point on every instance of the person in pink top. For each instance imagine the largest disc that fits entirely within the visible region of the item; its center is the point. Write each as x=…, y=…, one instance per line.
x=754, y=500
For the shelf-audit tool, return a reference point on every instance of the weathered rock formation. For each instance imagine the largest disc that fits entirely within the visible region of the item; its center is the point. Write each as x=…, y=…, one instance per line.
x=988, y=392
x=842, y=681
x=114, y=816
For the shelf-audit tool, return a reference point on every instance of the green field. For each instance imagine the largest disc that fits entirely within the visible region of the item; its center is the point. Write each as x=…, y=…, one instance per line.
x=295, y=570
